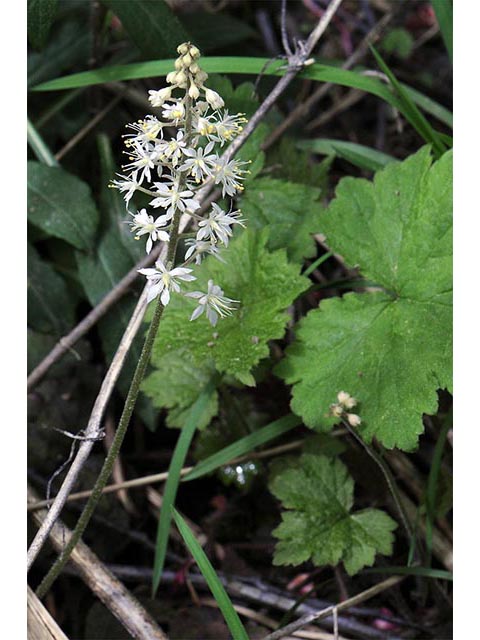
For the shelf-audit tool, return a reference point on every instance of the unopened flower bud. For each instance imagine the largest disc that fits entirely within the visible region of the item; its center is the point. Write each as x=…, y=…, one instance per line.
x=353, y=420
x=182, y=48
x=346, y=400
x=336, y=410
x=178, y=64
x=171, y=77
x=181, y=79
x=194, y=52
x=194, y=68
x=200, y=77
x=213, y=99
x=193, y=91
x=187, y=60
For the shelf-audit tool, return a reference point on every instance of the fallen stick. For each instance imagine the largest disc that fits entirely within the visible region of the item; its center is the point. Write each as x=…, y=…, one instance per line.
x=102, y=582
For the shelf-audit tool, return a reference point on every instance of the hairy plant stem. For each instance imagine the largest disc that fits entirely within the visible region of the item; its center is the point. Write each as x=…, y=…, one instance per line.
x=132, y=396
x=392, y=485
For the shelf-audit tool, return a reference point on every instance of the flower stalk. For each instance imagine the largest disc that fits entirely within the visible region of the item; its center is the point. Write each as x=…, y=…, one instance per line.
x=149, y=152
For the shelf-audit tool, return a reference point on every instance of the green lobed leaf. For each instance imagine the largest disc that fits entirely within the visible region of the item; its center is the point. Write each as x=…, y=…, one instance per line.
x=265, y=285
x=61, y=204
x=50, y=307
x=320, y=524
x=391, y=350
x=174, y=386
x=151, y=25
x=292, y=161
x=291, y=210
x=40, y=15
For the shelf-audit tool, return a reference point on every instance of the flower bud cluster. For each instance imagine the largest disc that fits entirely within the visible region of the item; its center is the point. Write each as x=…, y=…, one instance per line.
x=172, y=168
x=340, y=409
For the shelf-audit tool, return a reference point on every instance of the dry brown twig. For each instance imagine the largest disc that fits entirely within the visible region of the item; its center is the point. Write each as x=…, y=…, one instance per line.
x=103, y=583
x=295, y=64
x=40, y=624
x=328, y=611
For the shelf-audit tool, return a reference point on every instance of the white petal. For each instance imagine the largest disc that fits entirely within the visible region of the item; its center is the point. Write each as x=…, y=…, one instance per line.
x=165, y=297
x=149, y=244
x=163, y=235
x=153, y=292
x=197, y=312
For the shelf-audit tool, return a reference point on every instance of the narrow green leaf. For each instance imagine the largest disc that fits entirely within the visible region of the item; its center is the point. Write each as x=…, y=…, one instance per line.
x=430, y=106
x=61, y=204
x=40, y=15
x=317, y=263
x=171, y=486
x=151, y=25
x=246, y=66
x=423, y=572
x=224, y=603
x=39, y=147
x=358, y=154
x=444, y=14
x=410, y=110
x=243, y=446
x=432, y=483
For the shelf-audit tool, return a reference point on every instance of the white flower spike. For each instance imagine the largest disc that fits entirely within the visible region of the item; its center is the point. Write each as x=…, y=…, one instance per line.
x=173, y=168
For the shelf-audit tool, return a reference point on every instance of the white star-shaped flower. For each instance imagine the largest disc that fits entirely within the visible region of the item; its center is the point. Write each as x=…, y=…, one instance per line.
x=163, y=280
x=214, y=303
x=143, y=224
x=218, y=225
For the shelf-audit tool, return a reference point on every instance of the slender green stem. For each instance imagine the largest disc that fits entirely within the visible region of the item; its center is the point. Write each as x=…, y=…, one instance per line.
x=392, y=485
x=129, y=403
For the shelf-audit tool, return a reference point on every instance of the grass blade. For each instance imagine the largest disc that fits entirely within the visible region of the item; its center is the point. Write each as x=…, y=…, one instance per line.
x=171, y=486
x=422, y=572
x=317, y=263
x=249, y=66
x=224, y=603
x=243, y=446
x=432, y=483
x=410, y=110
x=39, y=147
x=358, y=154
x=444, y=14
x=429, y=106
